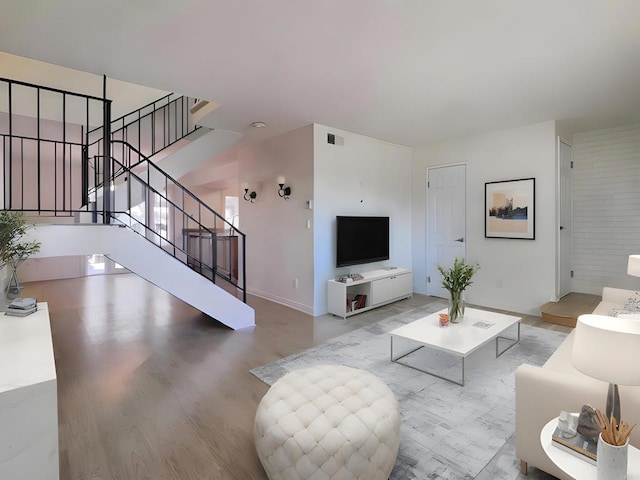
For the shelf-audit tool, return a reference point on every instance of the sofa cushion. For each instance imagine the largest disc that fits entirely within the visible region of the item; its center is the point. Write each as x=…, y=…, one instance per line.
x=560, y=361
x=604, y=308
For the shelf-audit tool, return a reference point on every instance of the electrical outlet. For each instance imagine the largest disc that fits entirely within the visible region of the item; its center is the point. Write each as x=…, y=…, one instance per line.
x=295, y=283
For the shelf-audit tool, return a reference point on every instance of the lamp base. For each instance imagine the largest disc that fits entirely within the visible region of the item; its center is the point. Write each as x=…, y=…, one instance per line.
x=613, y=402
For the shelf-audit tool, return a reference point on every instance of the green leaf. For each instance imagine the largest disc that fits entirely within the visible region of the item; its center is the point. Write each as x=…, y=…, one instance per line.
x=12, y=228
x=458, y=277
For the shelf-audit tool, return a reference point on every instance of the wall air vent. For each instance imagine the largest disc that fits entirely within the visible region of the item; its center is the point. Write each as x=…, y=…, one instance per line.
x=334, y=139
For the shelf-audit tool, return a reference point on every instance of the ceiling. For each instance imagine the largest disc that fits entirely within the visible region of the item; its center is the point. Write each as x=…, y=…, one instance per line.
x=406, y=71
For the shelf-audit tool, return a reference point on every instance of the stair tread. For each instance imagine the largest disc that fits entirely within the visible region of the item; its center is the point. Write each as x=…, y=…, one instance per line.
x=574, y=304
x=567, y=310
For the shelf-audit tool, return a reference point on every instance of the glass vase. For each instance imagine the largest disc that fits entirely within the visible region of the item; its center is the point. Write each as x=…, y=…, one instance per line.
x=13, y=287
x=456, y=307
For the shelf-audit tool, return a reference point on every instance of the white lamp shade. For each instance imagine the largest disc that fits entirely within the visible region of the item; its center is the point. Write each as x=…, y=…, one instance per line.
x=244, y=186
x=280, y=180
x=633, y=267
x=608, y=349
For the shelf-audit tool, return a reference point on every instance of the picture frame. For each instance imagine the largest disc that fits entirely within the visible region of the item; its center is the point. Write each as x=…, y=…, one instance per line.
x=510, y=209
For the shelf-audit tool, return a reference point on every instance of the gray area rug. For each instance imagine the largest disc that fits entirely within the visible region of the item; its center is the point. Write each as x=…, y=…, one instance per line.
x=448, y=432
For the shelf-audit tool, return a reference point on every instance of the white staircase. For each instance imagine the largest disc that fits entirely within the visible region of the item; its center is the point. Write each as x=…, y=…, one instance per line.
x=129, y=173
x=142, y=257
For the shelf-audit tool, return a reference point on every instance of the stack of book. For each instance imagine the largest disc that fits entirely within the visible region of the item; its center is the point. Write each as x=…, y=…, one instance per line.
x=578, y=445
x=21, y=307
x=356, y=303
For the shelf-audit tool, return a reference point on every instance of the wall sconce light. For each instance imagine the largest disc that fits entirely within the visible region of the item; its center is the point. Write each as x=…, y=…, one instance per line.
x=249, y=196
x=283, y=190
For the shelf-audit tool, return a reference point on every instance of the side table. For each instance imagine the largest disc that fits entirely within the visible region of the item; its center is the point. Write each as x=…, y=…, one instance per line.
x=576, y=467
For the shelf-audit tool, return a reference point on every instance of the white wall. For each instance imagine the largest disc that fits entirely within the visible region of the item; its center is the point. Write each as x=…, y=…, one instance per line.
x=365, y=176
x=279, y=245
x=52, y=268
x=606, y=202
x=516, y=275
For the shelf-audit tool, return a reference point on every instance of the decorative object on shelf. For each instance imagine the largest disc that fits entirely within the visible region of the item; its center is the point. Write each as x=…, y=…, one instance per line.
x=567, y=423
x=283, y=190
x=356, y=303
x=597, y=340
x=13, y=251
x=612, y=460
x=510, y=209
x=588, y=423
x=613, y=447
x=456, y=279
x=249, y=196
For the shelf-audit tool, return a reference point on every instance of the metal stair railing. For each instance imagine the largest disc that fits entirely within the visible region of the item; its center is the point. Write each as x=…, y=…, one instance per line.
x=43, y=131
x=166, y=213
x=47, y=170
x=149, y=129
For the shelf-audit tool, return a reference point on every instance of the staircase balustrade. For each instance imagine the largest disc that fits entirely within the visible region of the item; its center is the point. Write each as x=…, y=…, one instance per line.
x=62, y=170
x=149, y=129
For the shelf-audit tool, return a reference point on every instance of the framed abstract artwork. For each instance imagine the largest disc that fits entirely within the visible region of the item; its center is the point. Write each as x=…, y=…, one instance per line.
x=510, y=209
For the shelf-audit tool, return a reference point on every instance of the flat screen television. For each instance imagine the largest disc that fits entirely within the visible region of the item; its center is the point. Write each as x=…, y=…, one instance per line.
x=361, y=240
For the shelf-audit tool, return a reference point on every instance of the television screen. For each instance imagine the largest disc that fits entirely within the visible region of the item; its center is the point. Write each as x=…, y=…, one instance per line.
x=361, y=240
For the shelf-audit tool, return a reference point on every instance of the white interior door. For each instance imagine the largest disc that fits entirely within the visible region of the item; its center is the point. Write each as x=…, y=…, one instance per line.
x=446, y=222
x=565, y=233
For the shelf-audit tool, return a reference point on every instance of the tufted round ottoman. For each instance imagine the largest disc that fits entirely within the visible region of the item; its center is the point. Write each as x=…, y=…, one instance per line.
x=328, y=422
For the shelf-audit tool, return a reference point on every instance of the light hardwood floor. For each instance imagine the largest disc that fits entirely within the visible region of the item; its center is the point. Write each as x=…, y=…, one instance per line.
x=150, y=388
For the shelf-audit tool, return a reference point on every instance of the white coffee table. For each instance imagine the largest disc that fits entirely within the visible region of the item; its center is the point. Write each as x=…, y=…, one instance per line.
x=456, y=339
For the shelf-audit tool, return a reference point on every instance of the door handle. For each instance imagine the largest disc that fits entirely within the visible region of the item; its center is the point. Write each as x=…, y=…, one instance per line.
x=461, y=239
x=561, y=227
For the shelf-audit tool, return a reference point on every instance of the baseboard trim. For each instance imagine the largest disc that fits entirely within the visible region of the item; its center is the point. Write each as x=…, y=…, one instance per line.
x=282, y=301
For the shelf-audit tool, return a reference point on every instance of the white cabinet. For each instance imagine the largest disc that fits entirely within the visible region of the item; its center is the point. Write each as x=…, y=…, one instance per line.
x=28, y=398
x=377, y=288
x=382, y=290
x=388, y=289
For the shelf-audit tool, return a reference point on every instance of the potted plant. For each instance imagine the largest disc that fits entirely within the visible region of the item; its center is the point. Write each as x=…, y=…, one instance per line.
x=456, y=279
x=13, y=251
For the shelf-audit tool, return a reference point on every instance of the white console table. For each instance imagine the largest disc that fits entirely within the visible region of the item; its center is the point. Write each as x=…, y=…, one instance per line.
x=28, y=398
x=380, y=286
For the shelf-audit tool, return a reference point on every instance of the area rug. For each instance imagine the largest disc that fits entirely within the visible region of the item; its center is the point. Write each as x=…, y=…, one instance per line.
x=448, y=432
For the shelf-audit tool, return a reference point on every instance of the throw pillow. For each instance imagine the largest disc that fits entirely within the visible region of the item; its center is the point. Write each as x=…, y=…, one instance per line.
x=631, y=306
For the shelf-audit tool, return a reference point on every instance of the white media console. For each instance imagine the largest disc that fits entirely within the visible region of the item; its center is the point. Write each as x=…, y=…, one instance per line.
x=380, y=287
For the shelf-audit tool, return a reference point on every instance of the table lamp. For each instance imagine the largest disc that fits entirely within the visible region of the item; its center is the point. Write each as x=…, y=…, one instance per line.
x=608, y=349
x=633, y=267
